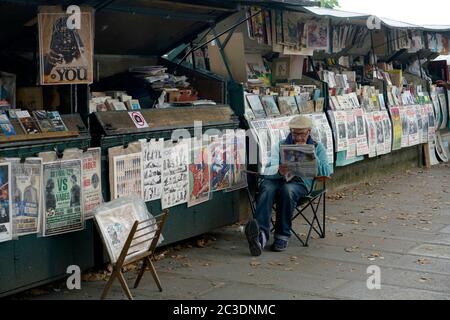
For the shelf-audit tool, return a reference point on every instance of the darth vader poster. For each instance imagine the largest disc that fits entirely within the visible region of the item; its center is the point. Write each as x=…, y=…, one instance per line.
x=66, y=48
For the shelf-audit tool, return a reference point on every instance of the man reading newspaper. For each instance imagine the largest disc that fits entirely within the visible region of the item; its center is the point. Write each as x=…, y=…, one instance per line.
x=302, y=159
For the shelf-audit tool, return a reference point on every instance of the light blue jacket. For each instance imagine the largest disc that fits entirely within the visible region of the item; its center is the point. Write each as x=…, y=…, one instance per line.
x=323, y=168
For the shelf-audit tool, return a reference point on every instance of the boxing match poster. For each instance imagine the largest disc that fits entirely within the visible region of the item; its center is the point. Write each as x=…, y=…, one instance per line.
x=66, y=46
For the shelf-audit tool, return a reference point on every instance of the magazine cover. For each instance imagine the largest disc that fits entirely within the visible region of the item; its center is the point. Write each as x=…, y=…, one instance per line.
x=413, y=127
x=387, y=127
x=405, y=126
x=6, y=126
x=92, y=184
x=63, y=211
x=322, y=133
x=371, y=135
x=378, y=119
x=287, y=105
x=6, y=231
x=152, y=157
x=175, y=174
x=26, y=194
x=66, y=50
x=351, y=134
x=27, y=123
x=199, y=174
x=256, y=106
x=340, y=118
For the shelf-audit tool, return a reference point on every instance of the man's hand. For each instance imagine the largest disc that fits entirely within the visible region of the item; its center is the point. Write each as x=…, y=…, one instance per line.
x=283, y=170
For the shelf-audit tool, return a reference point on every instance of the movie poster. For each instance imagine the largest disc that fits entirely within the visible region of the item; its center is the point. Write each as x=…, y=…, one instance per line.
x=66, y=48
x=152, y=168
x=6, y=232
x=26, y=194
x=220, y=169
x=127, y=175
x=92, y=184
x=175, y=174
x=199, y=180
x=63, y=211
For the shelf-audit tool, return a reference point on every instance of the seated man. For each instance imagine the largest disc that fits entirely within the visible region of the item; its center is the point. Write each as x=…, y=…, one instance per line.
x=289, y=193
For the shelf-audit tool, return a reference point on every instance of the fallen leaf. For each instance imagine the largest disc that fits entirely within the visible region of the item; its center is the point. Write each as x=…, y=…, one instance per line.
x=423, y=261
x=255, y=263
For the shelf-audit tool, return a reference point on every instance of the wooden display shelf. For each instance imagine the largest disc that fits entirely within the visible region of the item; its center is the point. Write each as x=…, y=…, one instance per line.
x=39, y=136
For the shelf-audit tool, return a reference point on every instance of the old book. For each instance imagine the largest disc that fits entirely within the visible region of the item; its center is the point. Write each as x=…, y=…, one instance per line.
x=56, y=121
x=270, y=106
x=256, y=105
x=287, y=105
x=6, y=126
x=133, y=104
x=26, y=121
x=42, y=120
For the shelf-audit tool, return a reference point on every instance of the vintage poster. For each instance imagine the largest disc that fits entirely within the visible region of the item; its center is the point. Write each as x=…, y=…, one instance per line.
x=431, y=123
x=152, y=168
x=26, y=194
x=362, y=147
x=351, y=134
x=175, y=174
x=340, y=118
x=92, y=184
x=199, y=180
x=422, y=115
x=238, y=174
x=63, y=211
x=387, y=127
x=66, y=48
x=413, y=127
x=6, y=226
x=127, y=175
x=371, y=134
x=405, y=126
x=322, y=133
x=378, y=119
x=317, y=35
x=115, y=222
x=220, y=168
x=397, y=124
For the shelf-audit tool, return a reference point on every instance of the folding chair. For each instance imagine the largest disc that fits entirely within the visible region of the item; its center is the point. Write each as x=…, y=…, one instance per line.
x=314, y=200
x=128, y=254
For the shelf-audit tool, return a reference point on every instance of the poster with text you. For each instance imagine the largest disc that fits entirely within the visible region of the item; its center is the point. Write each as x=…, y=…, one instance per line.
x=65, y=46
x=63, y=211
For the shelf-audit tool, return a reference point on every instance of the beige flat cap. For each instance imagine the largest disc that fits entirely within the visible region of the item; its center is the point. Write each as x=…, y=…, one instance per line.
x=301, y=122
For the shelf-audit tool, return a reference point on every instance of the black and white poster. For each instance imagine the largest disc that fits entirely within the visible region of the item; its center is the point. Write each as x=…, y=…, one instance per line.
x=152, y=168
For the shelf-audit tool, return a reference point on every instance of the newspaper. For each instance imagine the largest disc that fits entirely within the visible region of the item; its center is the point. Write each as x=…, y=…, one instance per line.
x=300, y=161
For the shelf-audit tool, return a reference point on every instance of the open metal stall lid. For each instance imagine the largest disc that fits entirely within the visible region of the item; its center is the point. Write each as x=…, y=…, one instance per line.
x=141, y=27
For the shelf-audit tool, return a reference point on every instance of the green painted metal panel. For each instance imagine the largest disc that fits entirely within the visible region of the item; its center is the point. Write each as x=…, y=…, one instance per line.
x=30, y=261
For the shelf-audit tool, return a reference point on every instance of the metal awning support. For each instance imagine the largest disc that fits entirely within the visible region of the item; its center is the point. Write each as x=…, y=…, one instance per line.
x=222, y=53
x=216, y=36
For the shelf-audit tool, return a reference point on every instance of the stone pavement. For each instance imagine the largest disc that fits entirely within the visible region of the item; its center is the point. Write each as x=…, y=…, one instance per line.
x=400, y=223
